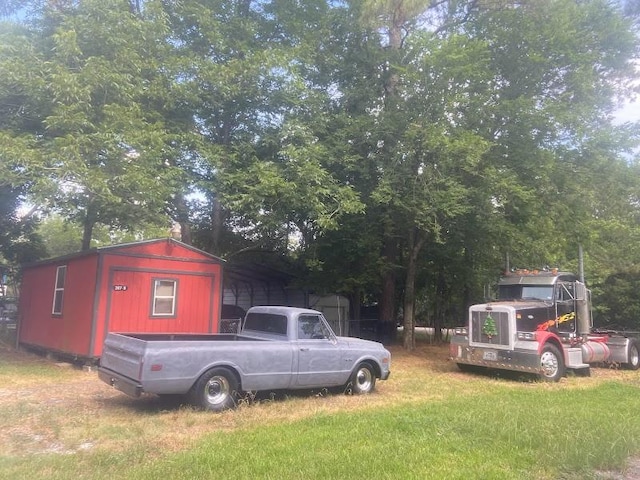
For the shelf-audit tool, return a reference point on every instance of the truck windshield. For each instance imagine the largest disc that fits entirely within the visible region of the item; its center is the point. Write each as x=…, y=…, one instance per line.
x=538, y=293
x=525, y=292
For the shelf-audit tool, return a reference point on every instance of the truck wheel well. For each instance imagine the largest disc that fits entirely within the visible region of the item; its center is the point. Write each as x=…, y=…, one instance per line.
x=376, y=368
x=555, y=342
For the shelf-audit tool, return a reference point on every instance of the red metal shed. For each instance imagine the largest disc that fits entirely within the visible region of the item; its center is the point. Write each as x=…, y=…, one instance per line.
x=68, y=304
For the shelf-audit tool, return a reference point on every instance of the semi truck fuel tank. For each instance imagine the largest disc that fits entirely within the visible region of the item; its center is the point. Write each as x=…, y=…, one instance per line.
x=595, y=351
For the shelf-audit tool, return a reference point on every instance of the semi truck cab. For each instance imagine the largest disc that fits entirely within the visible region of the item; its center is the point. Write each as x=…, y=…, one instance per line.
x=540, y=323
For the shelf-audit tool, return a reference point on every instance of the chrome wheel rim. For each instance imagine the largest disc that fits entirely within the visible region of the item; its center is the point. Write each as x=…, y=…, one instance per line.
x=634, y=356
x=217, y=390
x=364, y=379
x=549, y=364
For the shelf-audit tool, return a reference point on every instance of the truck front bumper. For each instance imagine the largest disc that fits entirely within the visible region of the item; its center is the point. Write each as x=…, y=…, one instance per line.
x=519, y=360
x=119, y=382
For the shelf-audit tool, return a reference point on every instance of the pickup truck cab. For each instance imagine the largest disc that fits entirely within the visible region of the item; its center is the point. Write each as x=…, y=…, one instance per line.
x=279, y=348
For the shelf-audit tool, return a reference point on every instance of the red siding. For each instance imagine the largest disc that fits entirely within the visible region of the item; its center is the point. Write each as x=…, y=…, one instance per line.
x=70, y=331
x=132, y=312
x=111, y=290
x=168, y=249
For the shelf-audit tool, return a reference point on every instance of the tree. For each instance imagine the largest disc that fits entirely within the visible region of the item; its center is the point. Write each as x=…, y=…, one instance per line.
x=259, y=169
x=80, y=130
x=473, y=111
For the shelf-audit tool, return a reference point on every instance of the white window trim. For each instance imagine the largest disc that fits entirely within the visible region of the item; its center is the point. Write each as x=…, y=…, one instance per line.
x=59, y=290
x=156, y=297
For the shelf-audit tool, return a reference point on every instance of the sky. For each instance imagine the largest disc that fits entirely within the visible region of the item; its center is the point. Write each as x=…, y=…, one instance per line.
x=628, y=113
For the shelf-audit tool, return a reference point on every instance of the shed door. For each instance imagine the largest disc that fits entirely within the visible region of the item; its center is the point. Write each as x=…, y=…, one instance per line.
x=141, y=301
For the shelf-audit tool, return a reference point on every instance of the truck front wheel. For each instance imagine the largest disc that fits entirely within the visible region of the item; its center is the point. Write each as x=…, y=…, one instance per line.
x=551, y=364
x=215, y=390
x=363, y=379
x=633, y=356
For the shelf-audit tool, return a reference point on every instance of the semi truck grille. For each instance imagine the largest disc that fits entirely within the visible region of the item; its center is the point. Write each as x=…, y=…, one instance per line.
x=491, y=328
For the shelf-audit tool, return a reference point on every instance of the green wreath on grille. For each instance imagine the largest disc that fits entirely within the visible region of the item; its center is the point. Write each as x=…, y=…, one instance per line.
x=489, y=327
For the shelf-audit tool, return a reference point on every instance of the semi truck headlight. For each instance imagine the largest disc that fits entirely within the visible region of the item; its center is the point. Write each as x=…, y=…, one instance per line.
x=531, y=336
x=461, y=331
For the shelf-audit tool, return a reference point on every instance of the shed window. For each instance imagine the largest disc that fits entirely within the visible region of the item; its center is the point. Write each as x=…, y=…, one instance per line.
x=58, y=291
x=164, y=298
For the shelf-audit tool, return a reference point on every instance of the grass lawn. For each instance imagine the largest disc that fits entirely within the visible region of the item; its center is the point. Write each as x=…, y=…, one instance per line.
x=427, y=421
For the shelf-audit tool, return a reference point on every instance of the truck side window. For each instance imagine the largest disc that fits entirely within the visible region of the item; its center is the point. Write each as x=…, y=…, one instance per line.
x=565, y=292
x=311, y=327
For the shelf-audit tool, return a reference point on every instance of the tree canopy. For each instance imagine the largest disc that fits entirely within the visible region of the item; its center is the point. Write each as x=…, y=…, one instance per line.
x=398, y=151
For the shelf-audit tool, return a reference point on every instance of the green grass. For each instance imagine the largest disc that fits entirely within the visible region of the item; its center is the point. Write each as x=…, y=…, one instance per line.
x=507, y=434
x=506, y=431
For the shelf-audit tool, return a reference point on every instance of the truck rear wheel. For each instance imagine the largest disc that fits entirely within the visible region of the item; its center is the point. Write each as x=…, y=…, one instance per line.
x=633, y=356
x=363, y=379
x=215, y=390
x=551, y=364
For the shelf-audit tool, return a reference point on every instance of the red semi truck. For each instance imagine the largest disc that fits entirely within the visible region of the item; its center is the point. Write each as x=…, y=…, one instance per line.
x=541, y=324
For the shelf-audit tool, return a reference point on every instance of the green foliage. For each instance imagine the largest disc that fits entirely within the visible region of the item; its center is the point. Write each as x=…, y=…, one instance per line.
x=617, y=303
x=80, y=133
x=19, y=241
x=374, y=141
x=61, y=237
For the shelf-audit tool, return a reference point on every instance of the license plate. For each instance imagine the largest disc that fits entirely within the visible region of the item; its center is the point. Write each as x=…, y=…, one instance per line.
x=490, y=355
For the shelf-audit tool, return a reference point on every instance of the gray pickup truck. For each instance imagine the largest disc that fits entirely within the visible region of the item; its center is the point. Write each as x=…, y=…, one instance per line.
x=279, y=348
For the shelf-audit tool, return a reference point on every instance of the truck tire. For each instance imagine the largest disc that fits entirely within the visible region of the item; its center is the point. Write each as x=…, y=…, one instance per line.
x=215, y=390
x=633, y=355
x=363, y=379
x=551, y=364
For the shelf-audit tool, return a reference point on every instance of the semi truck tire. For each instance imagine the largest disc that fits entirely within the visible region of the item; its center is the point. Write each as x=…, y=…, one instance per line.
x=633, y=355
x=215, y=390
x=551, y=364
x=363, y=379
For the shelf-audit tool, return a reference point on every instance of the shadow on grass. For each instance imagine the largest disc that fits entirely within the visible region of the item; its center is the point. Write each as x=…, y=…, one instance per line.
x=151, y=404
x=499, y=374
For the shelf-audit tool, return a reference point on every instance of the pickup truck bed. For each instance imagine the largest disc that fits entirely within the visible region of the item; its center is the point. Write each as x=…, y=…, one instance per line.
x=279, y=348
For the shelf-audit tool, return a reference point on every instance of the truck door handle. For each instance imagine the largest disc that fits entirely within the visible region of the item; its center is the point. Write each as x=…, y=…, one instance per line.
x=304, y=349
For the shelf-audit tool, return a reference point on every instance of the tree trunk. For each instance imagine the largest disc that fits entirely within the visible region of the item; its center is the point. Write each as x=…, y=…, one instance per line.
x=387, y=303
x=185, y=232
x=87, y=227
x=409, y=331
x=416, y=241
x=216, y=226
x=438, y=318
x=355, y=304
x=182, y=217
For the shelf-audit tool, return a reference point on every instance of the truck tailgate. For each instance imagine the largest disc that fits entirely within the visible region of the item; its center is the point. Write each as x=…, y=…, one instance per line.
x=124, y=355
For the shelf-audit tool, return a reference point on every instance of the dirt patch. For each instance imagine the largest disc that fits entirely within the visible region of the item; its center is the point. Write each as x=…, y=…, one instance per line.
x=630, y=472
